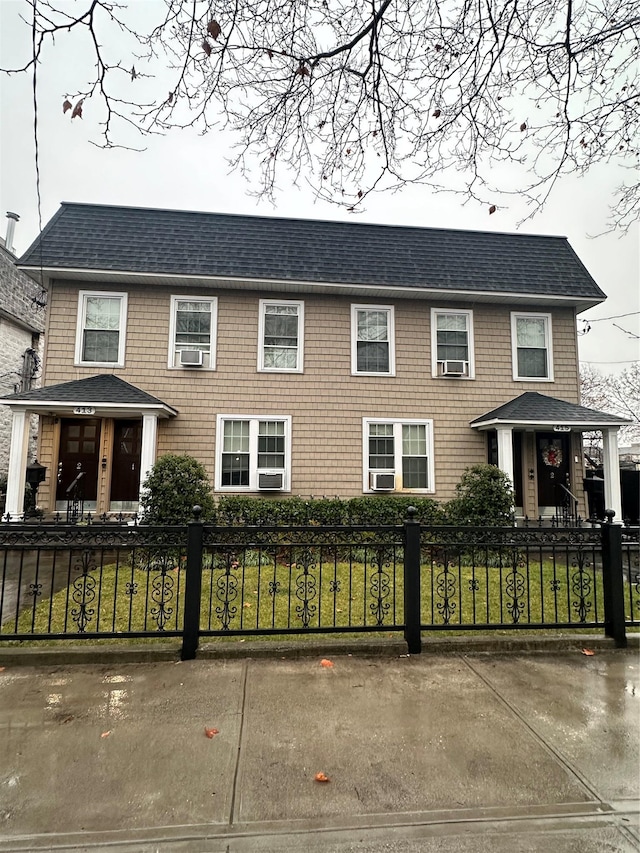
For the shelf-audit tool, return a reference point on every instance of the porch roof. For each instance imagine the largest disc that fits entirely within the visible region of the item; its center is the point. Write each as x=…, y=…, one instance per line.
x=535, y=410
x=106, y=393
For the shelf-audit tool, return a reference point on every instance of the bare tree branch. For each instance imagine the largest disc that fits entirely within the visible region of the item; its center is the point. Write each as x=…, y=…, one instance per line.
x=485, y=98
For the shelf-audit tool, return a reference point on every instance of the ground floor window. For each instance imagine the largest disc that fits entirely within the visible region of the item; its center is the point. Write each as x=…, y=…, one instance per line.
x=253, y=453
x=398, y=455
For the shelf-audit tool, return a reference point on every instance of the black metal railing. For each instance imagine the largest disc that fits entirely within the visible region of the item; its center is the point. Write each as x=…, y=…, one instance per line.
x=567, y=508
x=110, y=579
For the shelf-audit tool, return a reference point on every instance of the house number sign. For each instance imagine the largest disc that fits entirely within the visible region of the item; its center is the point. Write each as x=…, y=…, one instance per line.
x=84, y=410
x=562, y=429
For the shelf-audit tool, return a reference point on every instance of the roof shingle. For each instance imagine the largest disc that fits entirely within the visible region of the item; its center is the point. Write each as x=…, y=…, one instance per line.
x=102, y=389
x=141, y=240
x=532, y=407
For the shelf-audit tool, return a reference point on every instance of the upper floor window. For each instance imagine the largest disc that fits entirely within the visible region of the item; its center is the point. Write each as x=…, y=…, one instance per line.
x=254, y=454
x=531, y=346
x=398, y=455
x=280, y=331
x=192, y=331
x=452, y=343
x=372, y=340
x=100, y=334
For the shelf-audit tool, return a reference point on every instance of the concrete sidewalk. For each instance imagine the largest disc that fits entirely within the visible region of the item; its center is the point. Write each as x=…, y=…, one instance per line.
x=461, y=752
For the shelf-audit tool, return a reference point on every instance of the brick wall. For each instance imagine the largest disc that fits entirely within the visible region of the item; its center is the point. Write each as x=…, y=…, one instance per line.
x=326, y=402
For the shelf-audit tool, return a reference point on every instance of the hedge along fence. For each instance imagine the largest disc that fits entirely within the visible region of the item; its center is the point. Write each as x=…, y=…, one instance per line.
x=177, y=483
x=294, y=511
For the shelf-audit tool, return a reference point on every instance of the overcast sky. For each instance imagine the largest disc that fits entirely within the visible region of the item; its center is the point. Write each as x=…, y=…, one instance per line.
x=186, y=171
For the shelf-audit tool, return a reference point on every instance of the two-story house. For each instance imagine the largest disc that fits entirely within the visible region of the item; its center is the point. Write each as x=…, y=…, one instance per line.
x=306, y=357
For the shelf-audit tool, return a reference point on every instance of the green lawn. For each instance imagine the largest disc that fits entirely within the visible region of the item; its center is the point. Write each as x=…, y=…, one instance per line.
x=263, y=593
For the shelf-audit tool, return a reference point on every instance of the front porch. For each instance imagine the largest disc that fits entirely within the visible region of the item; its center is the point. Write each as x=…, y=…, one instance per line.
x=99, y=438
x=537, y=441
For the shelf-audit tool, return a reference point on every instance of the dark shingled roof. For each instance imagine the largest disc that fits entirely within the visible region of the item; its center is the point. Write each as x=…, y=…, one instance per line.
x=128, y=239
x=102, y=389
x=532, y=406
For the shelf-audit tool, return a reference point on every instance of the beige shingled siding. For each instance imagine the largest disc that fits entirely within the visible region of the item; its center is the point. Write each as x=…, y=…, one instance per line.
x=326, y=402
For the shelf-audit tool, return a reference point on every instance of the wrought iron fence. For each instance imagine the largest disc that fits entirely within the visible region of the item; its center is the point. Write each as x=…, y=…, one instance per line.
x=511, y=579
x=111, y=579
x=61, y=581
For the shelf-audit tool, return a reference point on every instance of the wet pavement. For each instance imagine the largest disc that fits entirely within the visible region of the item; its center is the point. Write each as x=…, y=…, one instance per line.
x=458, y=753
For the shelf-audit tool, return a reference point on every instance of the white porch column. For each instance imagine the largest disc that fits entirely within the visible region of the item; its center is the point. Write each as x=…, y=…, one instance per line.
x=611, y=466
x=148, y=449
x=505, y=451
x=17, y=462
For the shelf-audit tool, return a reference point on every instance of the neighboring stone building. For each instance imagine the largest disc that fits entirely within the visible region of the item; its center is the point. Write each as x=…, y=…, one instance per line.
x=21, y=327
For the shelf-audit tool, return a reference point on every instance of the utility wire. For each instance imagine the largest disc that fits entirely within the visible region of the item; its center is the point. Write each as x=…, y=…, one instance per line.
x=615, y=317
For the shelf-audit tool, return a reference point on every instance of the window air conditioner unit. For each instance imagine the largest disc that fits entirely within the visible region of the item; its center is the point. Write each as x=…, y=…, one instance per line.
x=383, y=482
x=191, y=358
x=454, y=368
x=271, y=480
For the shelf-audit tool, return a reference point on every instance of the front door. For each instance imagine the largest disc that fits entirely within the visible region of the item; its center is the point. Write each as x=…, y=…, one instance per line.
x=553, y=470
x=125, y=468
x=78, y=455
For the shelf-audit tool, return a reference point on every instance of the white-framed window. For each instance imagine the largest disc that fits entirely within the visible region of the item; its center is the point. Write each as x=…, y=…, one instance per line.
x=397, y=455
x=372, y=340
x=253, y=453
x=531, y=343
x=101, y=328
x=192, y=331
x=281, y=335
x=452, y=343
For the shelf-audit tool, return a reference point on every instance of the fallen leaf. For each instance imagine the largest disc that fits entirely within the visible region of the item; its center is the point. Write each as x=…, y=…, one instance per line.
x=321, y=777
x=246, y=604
x=326, y=663
x=105, y=734
x=588, y=652
x=210, y=732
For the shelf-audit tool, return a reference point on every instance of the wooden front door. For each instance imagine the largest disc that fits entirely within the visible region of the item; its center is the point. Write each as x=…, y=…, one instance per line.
x=552, y=450
x=125, y=465
x=78, y=454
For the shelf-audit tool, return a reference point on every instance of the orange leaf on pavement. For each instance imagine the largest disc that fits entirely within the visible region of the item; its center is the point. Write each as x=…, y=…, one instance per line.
x=210, y=732
x=326, y=663
x=321, y=777
x=588, y=652
x=104, y=734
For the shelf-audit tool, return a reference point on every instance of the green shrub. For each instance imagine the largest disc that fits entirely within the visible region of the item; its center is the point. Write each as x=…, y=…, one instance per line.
x=371, y=510
x=484, y=497
x=176, y=484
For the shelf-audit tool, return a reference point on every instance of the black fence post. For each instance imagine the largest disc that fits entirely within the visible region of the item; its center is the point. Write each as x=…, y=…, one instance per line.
x=412, y=602
x=193, y=588
x=613, y=581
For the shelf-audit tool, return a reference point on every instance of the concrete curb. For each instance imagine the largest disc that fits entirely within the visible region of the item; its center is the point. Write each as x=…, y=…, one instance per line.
x=244, y=649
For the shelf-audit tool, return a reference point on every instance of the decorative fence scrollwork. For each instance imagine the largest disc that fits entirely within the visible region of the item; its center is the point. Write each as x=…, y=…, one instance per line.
x=84, y=590
x=306, y=588
x=121, y=580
